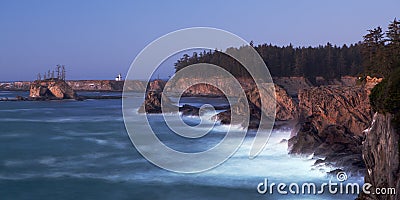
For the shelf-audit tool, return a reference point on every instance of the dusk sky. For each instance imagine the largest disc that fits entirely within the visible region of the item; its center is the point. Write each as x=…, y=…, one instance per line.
x=99, y=39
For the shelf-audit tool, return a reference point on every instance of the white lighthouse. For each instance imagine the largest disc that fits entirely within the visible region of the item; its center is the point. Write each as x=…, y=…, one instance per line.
x=119, y=77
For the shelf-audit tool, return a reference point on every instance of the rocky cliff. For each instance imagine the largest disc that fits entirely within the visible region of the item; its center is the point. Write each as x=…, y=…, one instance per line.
x=381, y=155
x=341, y=105
x=152, y=103
x=194, y=87
x=84, y=85
x=332, y=120
x=286, y=108
x=381, y=146
x=51, y=89
x=97, y=85
x=293, y=84
x=17, y=85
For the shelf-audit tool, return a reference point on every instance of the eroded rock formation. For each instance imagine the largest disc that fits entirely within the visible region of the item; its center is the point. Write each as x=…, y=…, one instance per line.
x=380, y=151
x=332, y=120
x=152, y=103
x=51, y=89
x=347, y=106
x=286, y=108
x=336, y=144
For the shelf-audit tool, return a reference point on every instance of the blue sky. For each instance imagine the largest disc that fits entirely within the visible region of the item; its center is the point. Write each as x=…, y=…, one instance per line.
x=98, y=39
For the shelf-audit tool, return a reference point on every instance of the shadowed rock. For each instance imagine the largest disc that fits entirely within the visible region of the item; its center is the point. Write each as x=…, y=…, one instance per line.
x=152, y=103
x=381, y=153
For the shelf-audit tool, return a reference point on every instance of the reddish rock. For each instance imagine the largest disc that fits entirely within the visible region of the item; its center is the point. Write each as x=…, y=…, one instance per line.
x=51, y=89
x=286, y=109
x=347, y=106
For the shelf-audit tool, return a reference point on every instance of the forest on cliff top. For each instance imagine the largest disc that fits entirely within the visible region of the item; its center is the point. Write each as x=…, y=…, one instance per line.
x=375, y=56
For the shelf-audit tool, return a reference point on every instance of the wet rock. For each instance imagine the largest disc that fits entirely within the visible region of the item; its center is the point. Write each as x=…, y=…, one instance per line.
x=283, y=141
x=306, y=140
x=334, y=172
x=336, y=143
x=189, y=110
x=21, y=98
x=319, y=161
x=237, y=114
x=152, y=103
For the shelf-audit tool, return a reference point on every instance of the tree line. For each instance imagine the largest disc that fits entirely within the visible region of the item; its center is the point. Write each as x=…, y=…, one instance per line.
x=329, y=61
x=382, y=58
x=373, y=55
x=58, y=74
x=381, y=50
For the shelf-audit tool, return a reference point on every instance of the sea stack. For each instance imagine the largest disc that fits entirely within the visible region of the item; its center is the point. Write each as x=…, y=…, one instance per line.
x=51, y=89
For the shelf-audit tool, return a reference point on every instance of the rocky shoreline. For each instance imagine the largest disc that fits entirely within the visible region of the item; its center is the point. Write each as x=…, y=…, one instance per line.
x=328, y=121
x=82, y=85
x=333, y=123
x=54, y=89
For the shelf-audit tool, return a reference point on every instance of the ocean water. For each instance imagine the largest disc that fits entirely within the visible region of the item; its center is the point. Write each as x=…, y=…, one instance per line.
x=81, y=150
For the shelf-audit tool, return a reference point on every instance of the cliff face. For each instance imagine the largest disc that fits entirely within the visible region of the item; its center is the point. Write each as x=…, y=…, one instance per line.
x=347, y=106
x=18, y=85
x=96, y=85
x=203, y=89
x=135, y=86
x=51, y=89
x=194, y=87
x=381, y=155
x=292, y=84
x=286, y=108
x=332, y=119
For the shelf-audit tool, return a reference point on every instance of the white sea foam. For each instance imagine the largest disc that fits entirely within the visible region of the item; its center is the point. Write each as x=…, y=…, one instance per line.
x=108, y=142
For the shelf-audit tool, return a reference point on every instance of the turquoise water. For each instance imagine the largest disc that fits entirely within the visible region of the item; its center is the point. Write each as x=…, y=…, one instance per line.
x=81, y=150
